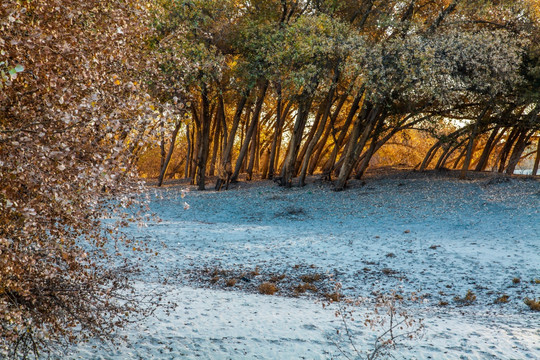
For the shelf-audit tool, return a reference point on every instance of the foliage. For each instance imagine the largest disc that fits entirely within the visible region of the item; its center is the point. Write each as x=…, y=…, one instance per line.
x=72, y=115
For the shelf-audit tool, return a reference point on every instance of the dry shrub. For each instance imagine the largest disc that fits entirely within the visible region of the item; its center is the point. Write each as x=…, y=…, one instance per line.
x=268, y=288
x=230, y=282
x=311, y=278
x=469, y=298
x=302, y=288
x=502, y=299
x=277, y=278
x=333, y=297
x=516, y=280
x=532, y=304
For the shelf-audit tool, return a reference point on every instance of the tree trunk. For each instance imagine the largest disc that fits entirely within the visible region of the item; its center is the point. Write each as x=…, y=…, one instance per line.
x=252, y=154
x=372, y=149
x=206, y=119
x=288, y=170
x=196, y=143
x=506, y=149
x=188, y=154
x=215, y=142
x=470, y=145
x=430, y=155
x=225, y=168
x=313, y=141
x=320, y=147
x=355, y=147
x=250, y=130
x=537, y=160
x=276, y=140
x=520, y=146
x=488, y=148
x=169, y=153
x=329, y=167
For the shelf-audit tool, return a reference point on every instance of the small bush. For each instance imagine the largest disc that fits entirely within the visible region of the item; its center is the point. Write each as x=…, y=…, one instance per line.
x=268, y=288
x=302, y=288
x=503, y=299
x=388, y=271
x=516, y=280
x=469, y=298
x=443, y=303
x=277, y=278
x=311, y=278
x=231, y=282
x=532, y=304
x=333, y=297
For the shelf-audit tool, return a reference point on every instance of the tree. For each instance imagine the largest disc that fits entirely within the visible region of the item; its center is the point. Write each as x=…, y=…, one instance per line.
x=72, y=117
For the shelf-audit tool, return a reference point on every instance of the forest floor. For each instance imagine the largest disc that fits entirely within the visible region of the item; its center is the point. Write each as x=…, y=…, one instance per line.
x=427, y=234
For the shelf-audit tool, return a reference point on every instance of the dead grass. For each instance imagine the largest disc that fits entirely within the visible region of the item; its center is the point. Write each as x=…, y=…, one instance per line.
x=532, y=304
x=311, y=278
x=503, y=299
x=268, y=288
x=302, y=288
x=230, y=282
x=469, y=298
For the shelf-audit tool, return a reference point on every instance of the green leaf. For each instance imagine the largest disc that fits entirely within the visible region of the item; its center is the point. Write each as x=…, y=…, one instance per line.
x=19, y=68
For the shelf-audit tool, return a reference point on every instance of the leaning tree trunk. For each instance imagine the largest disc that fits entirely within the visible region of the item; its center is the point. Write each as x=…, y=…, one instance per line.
x=355, y=147
x=470, y=145
x=329, y=167
x=250, y=130
x=514, y=135
x=313, y=141
x=169, y=153
x=288, y=170
x=225, y=168
x=537, y=160
x=488, y=148
x=520, y=146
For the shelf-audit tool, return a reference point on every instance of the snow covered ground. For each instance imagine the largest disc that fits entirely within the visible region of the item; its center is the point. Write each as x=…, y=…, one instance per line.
x=428, y=234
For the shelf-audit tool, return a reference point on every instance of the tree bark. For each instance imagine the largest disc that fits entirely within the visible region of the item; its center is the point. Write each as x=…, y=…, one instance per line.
x=250, y=130
x=206, y=119
x=355, y=146
x=225, y=168
x=537, y=160
x=338, y=144
x=488, y=148
x=169, y=153
x=188, y=154
x=470, y=145
x=288, y=170
x=520, y=146
x=313, y=141
x=507, y=147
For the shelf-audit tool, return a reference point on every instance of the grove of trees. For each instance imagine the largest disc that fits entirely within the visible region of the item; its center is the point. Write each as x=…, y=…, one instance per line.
x=91, y=91
x=288, y=88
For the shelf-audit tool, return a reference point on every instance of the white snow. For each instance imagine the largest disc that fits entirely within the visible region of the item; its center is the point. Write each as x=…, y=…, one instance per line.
x=436, y=236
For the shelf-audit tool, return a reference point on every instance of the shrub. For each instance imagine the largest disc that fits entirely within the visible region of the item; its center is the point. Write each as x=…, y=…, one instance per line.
x=469, y=298
x=532, y=304
x=268, y=288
